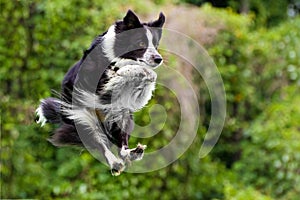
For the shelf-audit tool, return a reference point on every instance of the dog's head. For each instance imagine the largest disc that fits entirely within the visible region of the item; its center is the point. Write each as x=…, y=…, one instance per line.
x=131, y=42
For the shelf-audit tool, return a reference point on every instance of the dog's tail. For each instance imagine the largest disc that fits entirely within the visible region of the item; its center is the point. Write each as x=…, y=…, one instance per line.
x=49, y=111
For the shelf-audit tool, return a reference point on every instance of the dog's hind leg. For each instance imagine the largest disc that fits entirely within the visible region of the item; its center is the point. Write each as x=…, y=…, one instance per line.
x=66, y=134
x=99, y=142
x=94, y=136
x=117, y=165
x=96, y=142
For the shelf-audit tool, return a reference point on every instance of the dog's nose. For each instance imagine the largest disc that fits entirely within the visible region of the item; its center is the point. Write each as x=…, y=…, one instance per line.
x=157, y=59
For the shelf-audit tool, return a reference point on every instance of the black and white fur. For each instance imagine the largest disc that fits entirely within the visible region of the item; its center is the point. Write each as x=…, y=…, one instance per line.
x=100, y=92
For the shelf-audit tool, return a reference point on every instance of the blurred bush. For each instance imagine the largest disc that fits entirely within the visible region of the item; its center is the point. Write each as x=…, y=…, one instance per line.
x=256, y=157
x=265, y=15
x=257, y=67
x=270, y=158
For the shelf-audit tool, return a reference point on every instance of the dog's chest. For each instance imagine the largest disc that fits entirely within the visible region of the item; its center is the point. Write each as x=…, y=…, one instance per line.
x=130, y=86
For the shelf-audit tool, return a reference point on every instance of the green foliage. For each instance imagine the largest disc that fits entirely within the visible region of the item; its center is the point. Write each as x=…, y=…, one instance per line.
x=265, y=15
x=256, y=67
x=273, y=142
x=238, y=193
x=269, y=15
x=246, y=60
x=256, y=157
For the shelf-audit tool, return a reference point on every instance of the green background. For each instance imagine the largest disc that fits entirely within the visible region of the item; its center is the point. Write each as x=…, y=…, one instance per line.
x=255, y=45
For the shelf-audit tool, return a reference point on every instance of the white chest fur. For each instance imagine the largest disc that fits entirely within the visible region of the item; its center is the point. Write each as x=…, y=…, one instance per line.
x=131, y=86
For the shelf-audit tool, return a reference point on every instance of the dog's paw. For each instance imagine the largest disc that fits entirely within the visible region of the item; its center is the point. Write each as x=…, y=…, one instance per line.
x=138, y=152
x=117, y=168
x=129, y=155
x=125, y=155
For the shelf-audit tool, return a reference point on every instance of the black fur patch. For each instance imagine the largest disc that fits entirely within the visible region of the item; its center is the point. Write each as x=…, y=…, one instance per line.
x=66, y=134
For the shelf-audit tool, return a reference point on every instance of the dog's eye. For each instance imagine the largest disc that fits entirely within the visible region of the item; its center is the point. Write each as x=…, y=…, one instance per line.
x=142, y=44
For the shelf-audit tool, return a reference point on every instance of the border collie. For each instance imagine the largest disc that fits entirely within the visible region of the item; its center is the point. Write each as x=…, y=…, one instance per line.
x=113, y=79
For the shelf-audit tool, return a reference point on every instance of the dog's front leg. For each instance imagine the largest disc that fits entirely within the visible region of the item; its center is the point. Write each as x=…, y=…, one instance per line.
x=124, y=131
x=127, y=154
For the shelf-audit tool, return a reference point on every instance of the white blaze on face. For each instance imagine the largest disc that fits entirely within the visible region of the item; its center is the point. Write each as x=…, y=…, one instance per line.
x=150, y=38
x=151, y=52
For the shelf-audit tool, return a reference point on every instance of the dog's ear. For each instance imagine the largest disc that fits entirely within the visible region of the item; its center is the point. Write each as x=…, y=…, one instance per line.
x=131, y=20
x=159, y=22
